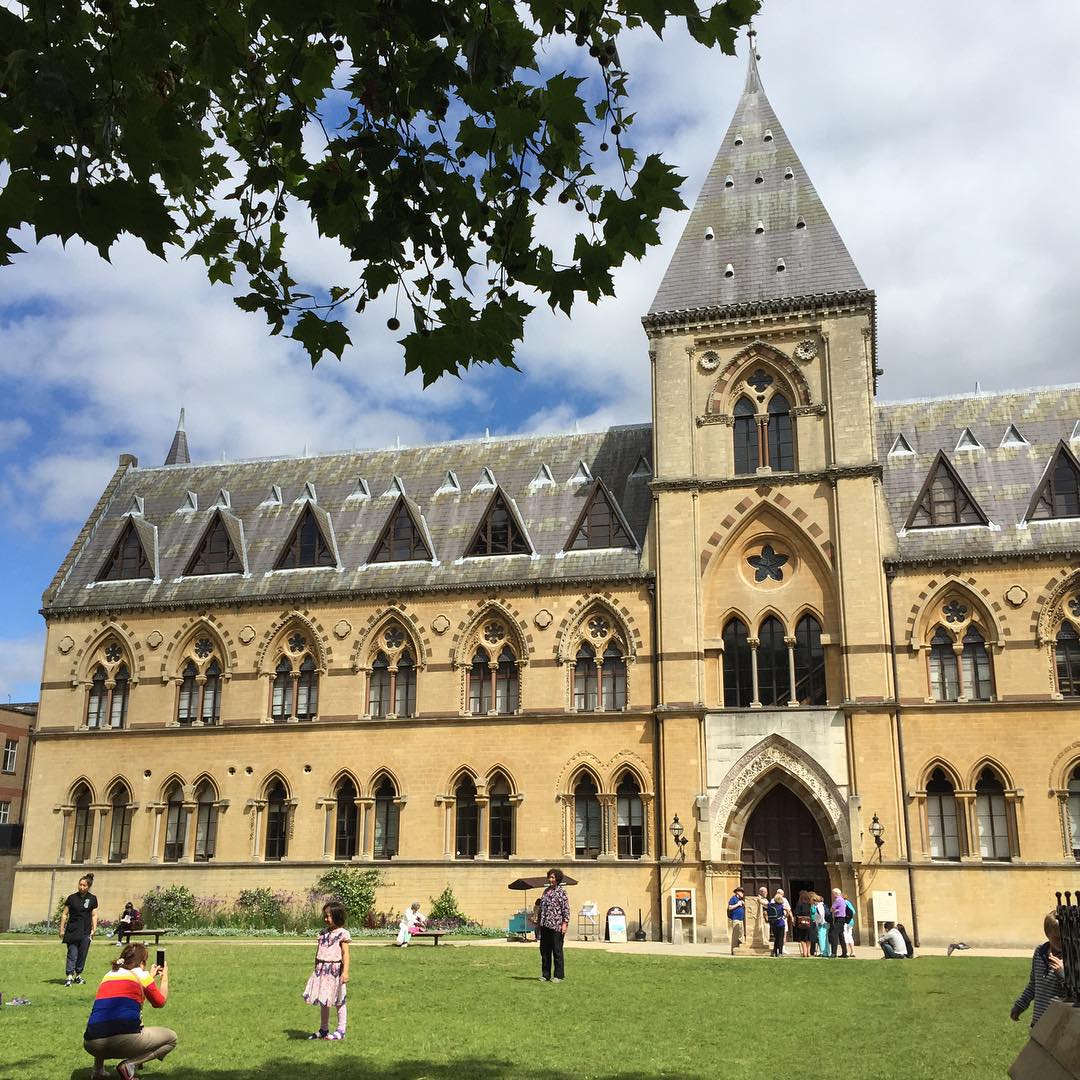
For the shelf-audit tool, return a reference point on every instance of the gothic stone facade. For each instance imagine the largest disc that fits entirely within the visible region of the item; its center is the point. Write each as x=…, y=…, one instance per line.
x=781, y=611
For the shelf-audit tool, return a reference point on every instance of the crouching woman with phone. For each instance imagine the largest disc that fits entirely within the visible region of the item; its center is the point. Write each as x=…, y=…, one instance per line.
x=115, y=1028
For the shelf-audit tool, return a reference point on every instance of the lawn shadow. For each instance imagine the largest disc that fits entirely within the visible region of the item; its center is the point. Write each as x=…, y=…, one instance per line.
x=296, y=1034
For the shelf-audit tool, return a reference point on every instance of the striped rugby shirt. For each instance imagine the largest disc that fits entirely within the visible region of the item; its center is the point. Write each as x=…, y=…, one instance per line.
x=118, y=1006
x=1043, y=986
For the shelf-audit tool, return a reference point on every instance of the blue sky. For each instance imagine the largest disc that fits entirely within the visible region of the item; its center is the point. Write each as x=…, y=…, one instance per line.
x=939, y=136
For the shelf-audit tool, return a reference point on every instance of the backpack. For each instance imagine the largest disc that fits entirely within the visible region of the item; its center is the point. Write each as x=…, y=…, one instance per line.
x=850, y=912
x=774, y=912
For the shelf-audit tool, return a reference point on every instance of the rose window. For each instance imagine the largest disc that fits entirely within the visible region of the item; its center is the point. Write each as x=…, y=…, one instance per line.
x=598, y=626
x=203, y=648
x=494, y=632
x=954, y=611
x=113, y=652
x=394, y=637
x=768, y=564
x=297, y=643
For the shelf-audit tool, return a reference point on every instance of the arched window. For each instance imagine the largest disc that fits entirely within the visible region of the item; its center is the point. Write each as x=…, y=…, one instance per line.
x=277, y=822
x=307, y=691
x=506, y=683
x=809, y=662
x=467, y=823
x=379, y=686
x=585, y=678
x=210, y=712
x=206, y=822
x=281, y=706
x=84, y=826
x=387, y=820
x=175, y=823
x=738, y=666
x=1074, y=811
x=747, y=452
x=975, y=667
x=631, y=818
x=120, y=831
x=613, y=678
x=586, y=819
x=1067, y=661
x=942, y=820
x=480, y=684
x=118, y=704
x=992, y=817
x=187, y=705
x=774, y=678
x=98, y=700
x=405, y=685
x=347, y=820
x=944, y=682
x=781, y=441
x=500, y=819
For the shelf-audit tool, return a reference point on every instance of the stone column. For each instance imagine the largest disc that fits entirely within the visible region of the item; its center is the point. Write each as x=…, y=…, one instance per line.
x=256, y=806
x=568, y=845
x=970, y=851
x=188, y=809
x=754, y=643
x=790, y=643
x=609, y=849
x=65, y=830
x=328, y=827
x=102, y=828
x=365, y=823
x=482, y=826
x=156, y=809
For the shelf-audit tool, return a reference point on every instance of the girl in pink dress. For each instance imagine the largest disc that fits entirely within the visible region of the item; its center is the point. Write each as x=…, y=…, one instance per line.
x=327, y=985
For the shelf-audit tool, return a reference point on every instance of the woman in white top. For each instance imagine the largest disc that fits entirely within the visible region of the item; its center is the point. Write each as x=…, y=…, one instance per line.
x=411, y=918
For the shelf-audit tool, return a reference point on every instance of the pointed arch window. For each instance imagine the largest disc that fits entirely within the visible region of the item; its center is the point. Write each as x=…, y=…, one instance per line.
x=402, y=539
x=307, y=691
x=599, y=525
x=499, y=532
x=281, y=705
x=466, y=819
x=175, y=823
x=127, y=561
x=944, y=676
x=277, y=822
x=307, y=545
x=405, y=685
x=387, y=819
x=500, y=819
x=585, y=678
x=84, y=827
x=1067, y=661
x=120, y=831
x=506, y=683
x=480, y=684
x=613, y=678
x=780, y=436
x=991, y=815
x=1059, y=496
x=738, y=666
x=747, y=450
x=809, y=662
x=774, y=677
x=216, y=554
x=587, y=829
x=345, y=838
x=975, y=669
x=206, y=822
x=119, y=699
x=942, y=819
x=379, y=686
x=630, y=814
x=97, y=702
x=187, y=706
x=1074, y=811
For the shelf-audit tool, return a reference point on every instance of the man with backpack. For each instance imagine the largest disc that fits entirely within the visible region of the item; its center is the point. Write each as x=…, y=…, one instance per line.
x=778, y=913
x=837, y=917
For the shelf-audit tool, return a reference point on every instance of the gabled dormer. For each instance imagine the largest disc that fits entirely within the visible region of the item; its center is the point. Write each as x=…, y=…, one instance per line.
x=1058, y=493
x=404, y=537
x=132, y=555
x=310, y=543
x=500, y=530
x=944, y=499
x=600, y=524
x=220, y=550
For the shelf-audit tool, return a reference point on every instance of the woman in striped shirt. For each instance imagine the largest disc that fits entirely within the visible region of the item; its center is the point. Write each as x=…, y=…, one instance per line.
x=115, y=1029
x=1047, y=974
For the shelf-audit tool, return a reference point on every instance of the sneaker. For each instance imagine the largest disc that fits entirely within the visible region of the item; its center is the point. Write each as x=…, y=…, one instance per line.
x=69, y=980
x=336, y=1036
x=79, y=980
x=319, y=1035
x=556, y=980
x=543, y=978
x=125, y=1071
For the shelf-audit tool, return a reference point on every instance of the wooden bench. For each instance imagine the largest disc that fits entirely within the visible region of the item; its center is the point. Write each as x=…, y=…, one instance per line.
x=126, y=935
x=435, y=934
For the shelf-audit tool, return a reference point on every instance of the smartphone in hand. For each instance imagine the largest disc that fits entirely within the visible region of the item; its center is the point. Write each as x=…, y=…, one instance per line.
x=161, y=958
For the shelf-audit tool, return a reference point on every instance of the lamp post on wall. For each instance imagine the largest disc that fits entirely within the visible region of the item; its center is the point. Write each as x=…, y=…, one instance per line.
x=678, y=835
x=877, y=831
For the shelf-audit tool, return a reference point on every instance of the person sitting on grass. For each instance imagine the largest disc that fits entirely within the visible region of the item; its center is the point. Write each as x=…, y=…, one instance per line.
x=328, y=983
x=1047, y=980
x=115, y=1028
x=892, y=943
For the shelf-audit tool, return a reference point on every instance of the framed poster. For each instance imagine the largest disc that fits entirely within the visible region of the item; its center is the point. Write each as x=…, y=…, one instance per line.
x=616, y=925
x=684, y=902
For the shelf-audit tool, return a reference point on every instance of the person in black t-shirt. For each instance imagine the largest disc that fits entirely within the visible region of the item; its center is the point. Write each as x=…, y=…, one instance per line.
x=77, y=926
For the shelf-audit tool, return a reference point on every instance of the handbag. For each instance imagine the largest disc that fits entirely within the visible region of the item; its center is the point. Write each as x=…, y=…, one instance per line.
x=802, y=922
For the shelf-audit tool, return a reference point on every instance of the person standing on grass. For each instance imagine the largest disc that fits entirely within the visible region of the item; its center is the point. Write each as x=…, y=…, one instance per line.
x=328, y=984
x=78, y=924
x=736, y=913
x=115, y=1028
x=837, y=918
x=554, y=922
x=1047, y=979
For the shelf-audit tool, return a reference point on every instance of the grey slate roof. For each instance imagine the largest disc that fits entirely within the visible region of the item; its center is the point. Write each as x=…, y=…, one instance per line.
x=178, y=452
x=815, y=257
x=260, y=526
x=1002, y=479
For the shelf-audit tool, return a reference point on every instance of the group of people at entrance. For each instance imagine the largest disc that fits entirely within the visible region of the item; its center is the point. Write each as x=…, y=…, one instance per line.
x=820, y=927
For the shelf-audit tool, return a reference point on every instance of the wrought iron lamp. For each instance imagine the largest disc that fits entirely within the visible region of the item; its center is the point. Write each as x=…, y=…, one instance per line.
x=877, y=830
x=678, y=835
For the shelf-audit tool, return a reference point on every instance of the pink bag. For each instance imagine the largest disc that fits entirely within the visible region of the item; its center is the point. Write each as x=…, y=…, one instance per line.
x=415, y=928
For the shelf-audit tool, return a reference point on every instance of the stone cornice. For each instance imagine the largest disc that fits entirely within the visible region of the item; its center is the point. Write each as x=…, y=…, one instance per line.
x=768, y=479
x=1027, y=555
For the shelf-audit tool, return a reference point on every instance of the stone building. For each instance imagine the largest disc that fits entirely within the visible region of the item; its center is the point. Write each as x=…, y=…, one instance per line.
x=800, y=620
x=16, y=726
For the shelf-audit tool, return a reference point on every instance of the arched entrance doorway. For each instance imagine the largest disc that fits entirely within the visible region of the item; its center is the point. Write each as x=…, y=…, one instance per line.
x=782, y=847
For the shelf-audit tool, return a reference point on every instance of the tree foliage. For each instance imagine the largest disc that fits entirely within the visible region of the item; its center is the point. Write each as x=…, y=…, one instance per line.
x=424, y=135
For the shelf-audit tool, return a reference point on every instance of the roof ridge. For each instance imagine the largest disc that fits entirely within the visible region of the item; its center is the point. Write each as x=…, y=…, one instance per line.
x=972, y=395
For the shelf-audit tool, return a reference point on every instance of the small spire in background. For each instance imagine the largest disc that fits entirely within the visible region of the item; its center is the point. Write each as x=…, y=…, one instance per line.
x=178, y=452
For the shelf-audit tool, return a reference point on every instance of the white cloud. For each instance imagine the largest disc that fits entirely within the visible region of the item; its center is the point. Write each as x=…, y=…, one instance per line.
x=12, y=432
x=20, y=667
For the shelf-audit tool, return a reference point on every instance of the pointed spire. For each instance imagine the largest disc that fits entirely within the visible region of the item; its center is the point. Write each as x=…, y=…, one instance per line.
x=178, y=451
x=757, y=179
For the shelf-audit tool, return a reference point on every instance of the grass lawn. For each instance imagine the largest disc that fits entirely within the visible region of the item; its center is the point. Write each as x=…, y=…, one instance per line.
x=475, y=1013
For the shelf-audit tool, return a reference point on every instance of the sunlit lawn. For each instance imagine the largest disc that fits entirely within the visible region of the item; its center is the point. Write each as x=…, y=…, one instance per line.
x=461, y=1012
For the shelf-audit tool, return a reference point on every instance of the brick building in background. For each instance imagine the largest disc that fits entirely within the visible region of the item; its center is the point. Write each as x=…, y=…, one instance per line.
x=16, y=727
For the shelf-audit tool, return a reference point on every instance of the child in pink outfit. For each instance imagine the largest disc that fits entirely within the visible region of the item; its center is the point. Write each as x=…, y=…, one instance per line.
x=327, y=985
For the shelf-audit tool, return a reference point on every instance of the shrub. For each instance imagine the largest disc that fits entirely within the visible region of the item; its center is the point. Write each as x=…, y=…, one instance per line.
x=170, y=905
x=262, y=907
x=445, y=906
x=352, y=887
